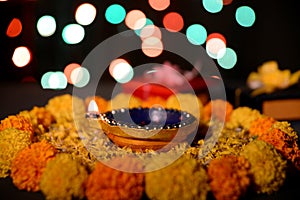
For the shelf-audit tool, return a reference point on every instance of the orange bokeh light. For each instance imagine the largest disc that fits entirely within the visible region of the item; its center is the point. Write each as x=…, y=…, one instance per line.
x=159, y=4
x=152, y=46
x=14, y=28
x=227, y=2
x=216, y=35
x=150, y=31
x=135, y=19
x=68, y=71
x=173, y=22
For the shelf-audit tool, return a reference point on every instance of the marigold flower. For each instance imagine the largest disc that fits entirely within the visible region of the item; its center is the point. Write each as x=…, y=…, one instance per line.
x=123, y=100
x=108, y=183
x=261, y=125
x=229, y=177
x=184, y=179
x=242, y=117
x=218, y=109
x=65, y=107
x=186, y=102
x=29, y=164
x=12, y=141
x=19, y=122
x=154, y=101
x=63, y=178
x=268, y=168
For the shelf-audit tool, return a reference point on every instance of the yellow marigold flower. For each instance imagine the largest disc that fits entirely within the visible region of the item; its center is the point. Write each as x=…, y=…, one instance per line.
x=243, y=117
x=12, y=141
x=267, y=169
x=63, y=178
x=183, y=179
x=123, y=100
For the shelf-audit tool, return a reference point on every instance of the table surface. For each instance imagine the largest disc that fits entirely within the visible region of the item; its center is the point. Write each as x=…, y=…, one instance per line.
x=17, y=97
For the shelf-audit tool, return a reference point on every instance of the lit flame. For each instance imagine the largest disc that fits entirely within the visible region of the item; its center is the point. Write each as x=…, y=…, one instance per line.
x=93, y=106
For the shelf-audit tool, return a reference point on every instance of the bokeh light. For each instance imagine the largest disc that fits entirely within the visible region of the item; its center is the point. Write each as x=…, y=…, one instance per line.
x=196, y=34
x=45, y=80
x=57, y=80
x=245, y=16
x=173, y=22
x=152, y=46
x=80, y=77
x=21, y=56
x=115, y=14
x=227, y=2
x=54, y=80
x=215, y=47
x=68, y=71
x=73, y=34
x=135, y=19
x=150, y=31
x=229, y=59
x=213, y=6
x=216, y=35
x=121, y=71
x=159, y=5
x=148, y=22
x=46, y=26
x=14, y=28
x=85, y=14
x=114, y=63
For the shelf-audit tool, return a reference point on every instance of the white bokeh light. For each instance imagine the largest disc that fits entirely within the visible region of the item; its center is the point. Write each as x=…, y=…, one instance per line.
x=85, y=14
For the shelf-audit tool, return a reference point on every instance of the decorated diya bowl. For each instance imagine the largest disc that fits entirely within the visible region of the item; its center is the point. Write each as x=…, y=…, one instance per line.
x=146, y=128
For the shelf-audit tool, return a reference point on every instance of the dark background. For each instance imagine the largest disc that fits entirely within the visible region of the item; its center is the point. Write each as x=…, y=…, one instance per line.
x=274, y=35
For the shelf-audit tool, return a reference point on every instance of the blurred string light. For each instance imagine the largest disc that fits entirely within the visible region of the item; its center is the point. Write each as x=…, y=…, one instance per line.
x=68, y=71
x=80, y=77
x=150, y=31
x=121, y=70
x=245, y=16
x=228, y=60
x=227, y=2
x=216, y=35
x=85, y=14
x=115, y=14
x=54, y=80
x=135, y=19
x=46, y=25
x=159, y=5
x=21, y=56
x=212, y=6
x=173, y=22
x=152, y=46
x=73, y=33
x=215, y=45
x=196, y=34
x=148, y=22
x=14, y=28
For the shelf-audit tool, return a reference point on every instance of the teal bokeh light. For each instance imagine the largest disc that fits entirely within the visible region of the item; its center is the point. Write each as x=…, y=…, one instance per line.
x=213, y=6
x=196, y=34
x=229, y=59
x=245, y=16
x=115, y=14
x=148, y=22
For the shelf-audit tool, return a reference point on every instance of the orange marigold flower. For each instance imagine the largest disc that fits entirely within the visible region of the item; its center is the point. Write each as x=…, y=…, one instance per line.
x=218, y=109
x=229, y=177
x=100, y=101
x=261, y=125
x=108, y=183
x=42, y=116
x=29, y=164
x=154, y=101
x=284, y=139
x=19, y=122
